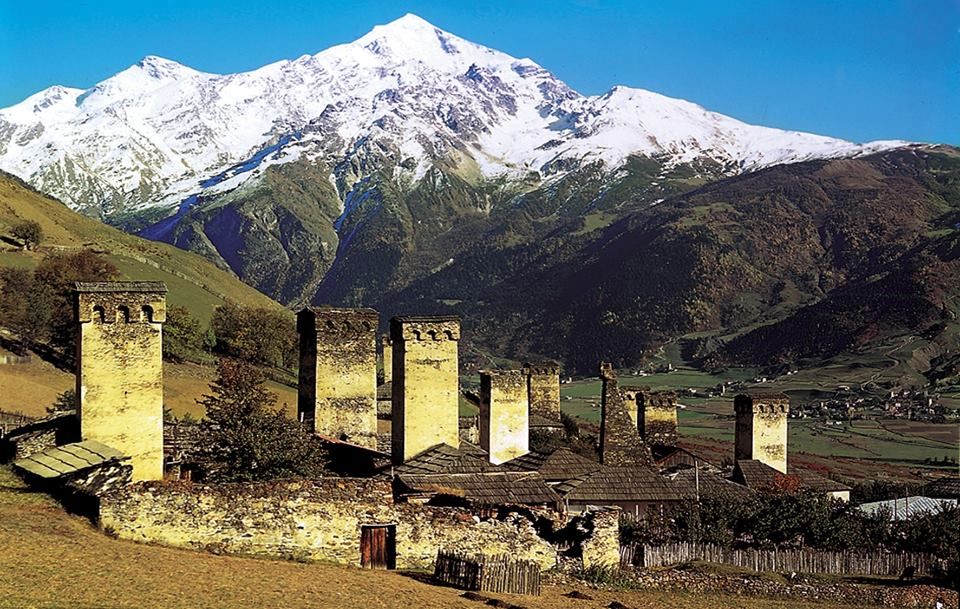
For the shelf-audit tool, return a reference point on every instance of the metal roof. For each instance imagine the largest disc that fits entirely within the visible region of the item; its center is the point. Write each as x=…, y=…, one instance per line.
x=908, y=507
x=67, y=459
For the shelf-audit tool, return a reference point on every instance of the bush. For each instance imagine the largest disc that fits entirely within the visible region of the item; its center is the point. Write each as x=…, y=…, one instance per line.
x=29, y=232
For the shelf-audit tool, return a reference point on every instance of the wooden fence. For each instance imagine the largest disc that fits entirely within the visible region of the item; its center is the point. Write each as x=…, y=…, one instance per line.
x=487, y=573
x=782, y=561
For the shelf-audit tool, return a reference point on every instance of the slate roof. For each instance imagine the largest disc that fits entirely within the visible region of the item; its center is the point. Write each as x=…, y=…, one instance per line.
x=68, y=459
x=686, y=482
x=907, y=507
x=620, y=484
x=561, y=464
x=947, y=487
x=487, y=488
x=445, y=459
x=120, y=286
x=756, y=474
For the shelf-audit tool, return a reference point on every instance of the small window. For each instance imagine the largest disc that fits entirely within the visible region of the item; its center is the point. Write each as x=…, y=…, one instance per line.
x=146, y=313
x=98, y=314
x=123, y=314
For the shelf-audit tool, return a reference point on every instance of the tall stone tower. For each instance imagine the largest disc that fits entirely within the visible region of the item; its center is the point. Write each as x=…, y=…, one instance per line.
x=543, y=388
x=658, y=418
x=761, y=431
x=426, y=385
x=337, y=394
x=504, y=416
x=386, y=349
x=620, y=443
x=120, y=369
x=632, y=396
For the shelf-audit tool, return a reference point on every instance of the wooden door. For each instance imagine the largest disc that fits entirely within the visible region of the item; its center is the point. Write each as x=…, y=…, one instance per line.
x=378, y=547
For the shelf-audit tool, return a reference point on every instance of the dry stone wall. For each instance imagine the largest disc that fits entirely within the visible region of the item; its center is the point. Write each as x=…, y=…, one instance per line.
x=308, y=520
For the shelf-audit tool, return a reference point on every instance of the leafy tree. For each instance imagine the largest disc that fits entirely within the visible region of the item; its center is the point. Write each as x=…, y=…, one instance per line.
x=183, y=336
x=29, y=232
x=248, y=438
x=255, y=334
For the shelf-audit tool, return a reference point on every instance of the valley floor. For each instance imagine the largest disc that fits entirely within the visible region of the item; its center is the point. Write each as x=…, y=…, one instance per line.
x=52, y=560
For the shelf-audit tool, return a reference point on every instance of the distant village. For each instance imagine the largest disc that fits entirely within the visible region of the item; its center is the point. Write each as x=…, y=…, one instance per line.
x=407, y=478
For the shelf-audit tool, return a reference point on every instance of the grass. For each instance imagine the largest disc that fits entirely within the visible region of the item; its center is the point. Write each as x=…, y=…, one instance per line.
x=52, y=560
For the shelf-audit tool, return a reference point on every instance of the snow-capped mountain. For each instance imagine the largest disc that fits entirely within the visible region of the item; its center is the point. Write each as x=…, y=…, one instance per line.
x=160, y=133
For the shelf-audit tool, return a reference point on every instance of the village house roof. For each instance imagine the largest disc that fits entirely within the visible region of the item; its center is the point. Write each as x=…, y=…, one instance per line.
x=619, y=484
x=68, y=459
x=687, y=481
x=756, y=474
x=947, y=487
x=908, y=507
x=561, y=464
x=445, y=459
x=540, y=421
x=672, y=456
x=485, y=488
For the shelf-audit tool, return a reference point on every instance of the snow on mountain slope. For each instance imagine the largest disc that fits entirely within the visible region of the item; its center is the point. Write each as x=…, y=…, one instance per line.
x=159, y=132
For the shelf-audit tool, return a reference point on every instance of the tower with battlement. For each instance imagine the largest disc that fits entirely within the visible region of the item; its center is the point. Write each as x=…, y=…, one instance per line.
x=426, y=386
x=120, y=369
x=543, y=389
x=504, y=414
x=657, y=419
x=761, y=428
x=337, y=393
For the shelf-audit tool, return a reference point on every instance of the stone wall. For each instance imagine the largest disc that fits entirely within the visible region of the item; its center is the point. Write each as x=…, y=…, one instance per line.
x=308, y=520
x=120, y=370
x=761, y=428
x=543, y=388
x=620, y=443
x=386, y=351
x=426, y=385
x=602, y=548
x=337, y=393
x=658, y=418
x=504, y=414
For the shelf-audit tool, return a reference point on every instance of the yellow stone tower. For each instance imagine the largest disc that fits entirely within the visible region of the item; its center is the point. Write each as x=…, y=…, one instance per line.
x=657, y=419
x=337, y=394
x=761, y=429
x=543, y=387
x=120, y=369
x=426, y=386
x=386, y=350
x=504, y=417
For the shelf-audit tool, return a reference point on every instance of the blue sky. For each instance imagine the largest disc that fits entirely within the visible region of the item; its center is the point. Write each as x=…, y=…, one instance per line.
x=857, y=69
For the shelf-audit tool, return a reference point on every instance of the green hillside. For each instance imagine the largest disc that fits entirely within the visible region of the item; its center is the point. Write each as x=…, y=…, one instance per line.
x=192, y=281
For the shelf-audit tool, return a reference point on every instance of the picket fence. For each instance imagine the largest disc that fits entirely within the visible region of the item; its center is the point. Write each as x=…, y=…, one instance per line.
x=487, y=573
x=782, y=561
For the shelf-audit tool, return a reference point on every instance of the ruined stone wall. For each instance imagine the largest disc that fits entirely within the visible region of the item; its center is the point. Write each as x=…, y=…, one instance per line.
x=317, y=520
x=602, y=548
x=337, y=395
x=426, y=387
x=504, y=418
x=120, y=370
x=620, y=442
x=658, y=418
x=543, y=388
x=761, y=428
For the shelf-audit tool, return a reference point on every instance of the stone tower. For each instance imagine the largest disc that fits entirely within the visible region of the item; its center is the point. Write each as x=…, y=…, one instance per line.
x=761, y=431
x=620, y=443
x=120, y=369
x=658, y=418
x=632, y=398
x=543, y=388
x=426, y=386
x=504, y=414
x=337, y=394
x=386, y=349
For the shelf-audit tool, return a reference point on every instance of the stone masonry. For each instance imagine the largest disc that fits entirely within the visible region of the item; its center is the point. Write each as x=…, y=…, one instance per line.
x=337, y=395
x=426, y=385
x=316, y=520
x=120, y=369
x=658, y=418
x=620, y=443
x=386, y=350
x=504, y=418
x=761, y=428
x=543, y=387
